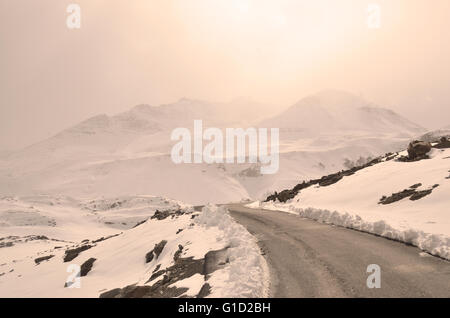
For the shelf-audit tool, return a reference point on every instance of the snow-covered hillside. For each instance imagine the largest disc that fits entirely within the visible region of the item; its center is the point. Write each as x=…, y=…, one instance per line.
x=405, y=201
x=129, y=153
x=125, y=247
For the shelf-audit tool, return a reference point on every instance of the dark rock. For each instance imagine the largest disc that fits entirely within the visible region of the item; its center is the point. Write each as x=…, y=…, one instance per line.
x=331, y=179
x=182, y=269
x=140, y=223
x=73, y=253
x=179, y=231
x=412, y=193
x=420, y=194
x=177, y=254
x=87, y=266
x=161, y=215
x=204, y=291
x=105, y=238
x=111, y=294
x=43, y=258
x=157, y=268
x=156, y=274
x=397, y=196
x=155, y=252
x=6, y=244
x=149, y=257
x=418, y=150
x=287, y=195
x=443, y=143
x=134, y=291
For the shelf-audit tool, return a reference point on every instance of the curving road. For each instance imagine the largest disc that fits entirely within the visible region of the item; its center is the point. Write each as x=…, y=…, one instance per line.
x=310, y=259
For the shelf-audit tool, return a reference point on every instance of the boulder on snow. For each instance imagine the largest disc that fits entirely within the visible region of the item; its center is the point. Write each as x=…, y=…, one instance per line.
x=87, y=266
x=418, y=150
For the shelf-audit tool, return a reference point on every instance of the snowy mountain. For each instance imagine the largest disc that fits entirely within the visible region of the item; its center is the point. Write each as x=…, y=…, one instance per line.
x=327, y=132
x=129, y=153
x=337, y=112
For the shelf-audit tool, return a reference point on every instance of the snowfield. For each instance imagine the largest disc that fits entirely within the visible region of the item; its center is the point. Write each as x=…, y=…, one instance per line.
x=353, y=202
x=142, y=246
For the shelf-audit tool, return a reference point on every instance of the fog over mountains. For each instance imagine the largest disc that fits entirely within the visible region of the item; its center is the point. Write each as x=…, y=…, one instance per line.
x=129, y=153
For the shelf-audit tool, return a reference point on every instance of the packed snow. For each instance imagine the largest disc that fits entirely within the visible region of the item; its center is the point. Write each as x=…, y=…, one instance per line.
x=353, y=202
x=37, y=231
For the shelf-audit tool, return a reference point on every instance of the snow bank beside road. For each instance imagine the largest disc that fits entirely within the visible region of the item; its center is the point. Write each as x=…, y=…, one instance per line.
x=353, y=202
x=247, y=274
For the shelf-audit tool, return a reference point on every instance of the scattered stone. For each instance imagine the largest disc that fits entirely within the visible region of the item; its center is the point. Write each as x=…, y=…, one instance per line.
x=140, y=223
x=397, y=196
x=412, y=193
x=6, y=244
x=43, y=258
x=182, y=269
x=325, y=181
x=161, y=215
x=179, y=231
x=105, y=238
x=71, y=254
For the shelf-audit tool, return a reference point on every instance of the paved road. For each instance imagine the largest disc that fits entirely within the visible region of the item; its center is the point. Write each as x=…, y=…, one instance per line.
x=309, y=259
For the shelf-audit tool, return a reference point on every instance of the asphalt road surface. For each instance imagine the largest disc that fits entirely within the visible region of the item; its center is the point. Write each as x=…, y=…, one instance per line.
x=310, y=259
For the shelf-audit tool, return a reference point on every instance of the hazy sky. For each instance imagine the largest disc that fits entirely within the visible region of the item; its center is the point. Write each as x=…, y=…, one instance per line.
x=129, y=52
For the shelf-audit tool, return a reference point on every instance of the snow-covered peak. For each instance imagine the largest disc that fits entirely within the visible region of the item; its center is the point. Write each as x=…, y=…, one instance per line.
x=337, y=112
